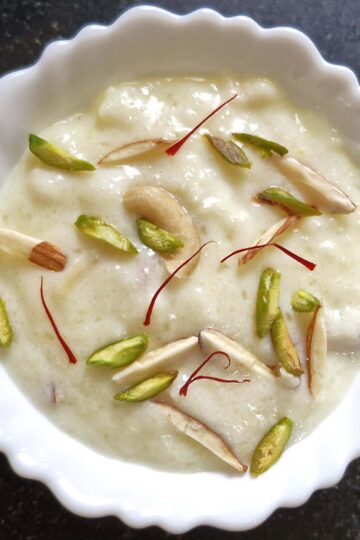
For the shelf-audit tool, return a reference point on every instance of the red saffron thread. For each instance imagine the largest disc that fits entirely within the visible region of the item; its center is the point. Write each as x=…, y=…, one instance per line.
x=308, y=264
x=175, y=147
x=195, y=377
x=163, y=285
x=65, y=346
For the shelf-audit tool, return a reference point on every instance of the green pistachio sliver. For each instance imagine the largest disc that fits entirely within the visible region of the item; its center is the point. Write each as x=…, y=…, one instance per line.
x=230, y=151
x=5, y=327
x=156, y=238
x=271, y=446
x=284, y=347
x=304, y=301
x=104, y=231
x=57, y=157
x=267, y=303
x=148, y=388
x=120, y=353
x=267, y=148
x=284, y=200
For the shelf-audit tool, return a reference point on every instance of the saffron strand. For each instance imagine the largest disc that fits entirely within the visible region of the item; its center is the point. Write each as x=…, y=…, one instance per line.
x=308, y=264
x=65, y=346
x=176, y=147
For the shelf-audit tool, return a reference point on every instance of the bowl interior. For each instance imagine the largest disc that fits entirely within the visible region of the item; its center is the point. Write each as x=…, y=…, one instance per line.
x=147, y=42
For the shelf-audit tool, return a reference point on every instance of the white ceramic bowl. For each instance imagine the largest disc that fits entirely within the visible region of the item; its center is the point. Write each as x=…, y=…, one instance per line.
x=149, y=41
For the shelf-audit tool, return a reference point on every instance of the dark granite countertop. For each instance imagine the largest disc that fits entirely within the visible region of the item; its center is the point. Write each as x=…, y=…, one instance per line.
x=28, y=511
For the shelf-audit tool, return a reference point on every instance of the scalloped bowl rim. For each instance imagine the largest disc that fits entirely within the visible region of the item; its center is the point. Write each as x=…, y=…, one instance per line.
x=139, y=495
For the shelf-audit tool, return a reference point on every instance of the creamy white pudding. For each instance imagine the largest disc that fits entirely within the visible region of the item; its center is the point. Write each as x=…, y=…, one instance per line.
x=102, y=295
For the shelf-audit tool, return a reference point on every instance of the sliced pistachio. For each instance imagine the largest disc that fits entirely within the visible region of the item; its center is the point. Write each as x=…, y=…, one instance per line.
x=156, y=238
x=316, y=351
x=162, y=208
x=212, y=340
x=267, y=303
x=148, y=388
x=56, y=157
x=271, y=446
x=120, y=353
x=269, y=236
x=230, y=151
x=145, y=366
x=267, y=148
x=285, y=201
x=102, y=230
x=201, y=433
x=284, y=347
x=304, y=301
x=134, y=149
x=320, y=191
x=6, y=334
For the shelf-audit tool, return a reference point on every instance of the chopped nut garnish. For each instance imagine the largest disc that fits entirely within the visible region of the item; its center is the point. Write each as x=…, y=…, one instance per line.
x=284, y=347
x=304, y=301
x=134, y=149
x=282, y=199
x=230, y=151
x=267, y=303
x=269, y=236
x=162, y=208
x=202, y=434
x=6, y=333
x=271, y=446
x=120, y=353
x=153, y=360
x=320, y=191
x=267, y=148
x=213, y=340
x=148, y=388
x=316, y=351
x=157, y=239
x=35, y=250
x=106, y=232
x=56, y=157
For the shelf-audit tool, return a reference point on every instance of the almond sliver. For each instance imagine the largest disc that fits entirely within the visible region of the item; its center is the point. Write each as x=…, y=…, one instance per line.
x=316, y=351
x=320, y=192
x=213, y=340
x=201, y=433
x=134, y=149
x=37, y=251
x=148, y=363
x=269, y=236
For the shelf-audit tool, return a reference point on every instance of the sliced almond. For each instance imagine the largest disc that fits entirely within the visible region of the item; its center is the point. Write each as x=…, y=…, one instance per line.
x=320, y=191
x=201, y=433
x=212, y=340
x=269, y=236
x=163, y=209
x=35, y=250
x=133, y=149
x=316, y=351
x=151, y=361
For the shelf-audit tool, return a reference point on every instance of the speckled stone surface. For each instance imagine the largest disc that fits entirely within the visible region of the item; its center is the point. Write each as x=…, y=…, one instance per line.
x=28, y=511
